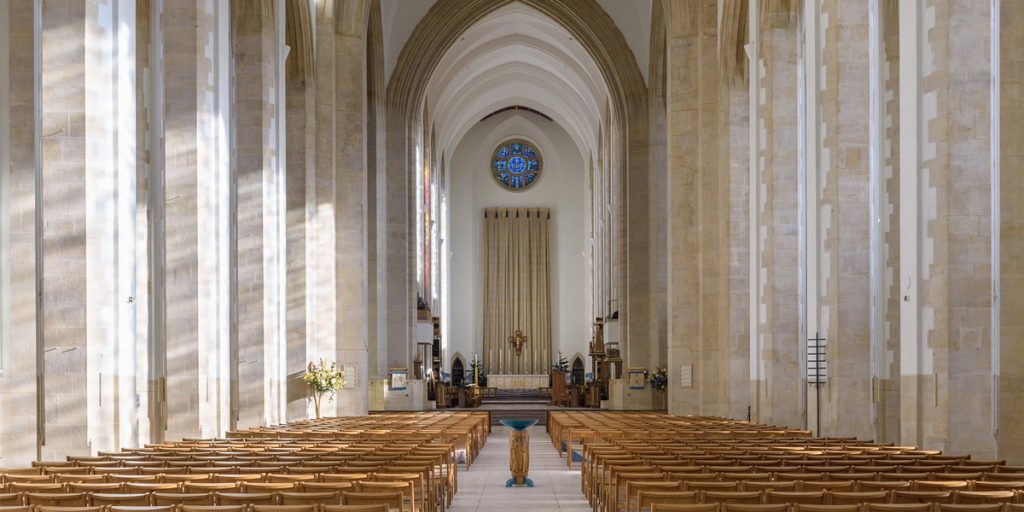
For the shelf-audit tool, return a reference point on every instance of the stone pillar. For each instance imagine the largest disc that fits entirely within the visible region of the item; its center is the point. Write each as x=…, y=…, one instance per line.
x=258, y=182
x=64, y=280
x=778, y=348
x=696, y=250
x=197, y=198
x=657, y=314
x=350, y=200
x=399, y=254
x=19, y=231
x=376, y=185
x=838, y=103
x=300, y=184
x=1010, y=382
x=946, y=319
x=321, y=272
x=888, y=356
x=735, y=166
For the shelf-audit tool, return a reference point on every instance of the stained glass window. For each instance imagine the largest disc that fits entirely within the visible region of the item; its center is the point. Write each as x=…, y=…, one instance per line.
x=516, y=165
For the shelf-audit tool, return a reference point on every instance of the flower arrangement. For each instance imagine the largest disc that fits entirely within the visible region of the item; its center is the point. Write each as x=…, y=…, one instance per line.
x=323, y=379
x=562, y=365
x=659, y=379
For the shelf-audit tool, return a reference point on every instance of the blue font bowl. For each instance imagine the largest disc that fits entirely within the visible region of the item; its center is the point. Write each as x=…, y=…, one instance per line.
x=518, y=424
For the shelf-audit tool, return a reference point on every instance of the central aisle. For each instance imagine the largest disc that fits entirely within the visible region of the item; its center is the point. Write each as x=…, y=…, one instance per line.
x=483, y=486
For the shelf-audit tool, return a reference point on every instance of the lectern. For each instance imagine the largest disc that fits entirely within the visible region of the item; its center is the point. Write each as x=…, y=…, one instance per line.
x=519, y=451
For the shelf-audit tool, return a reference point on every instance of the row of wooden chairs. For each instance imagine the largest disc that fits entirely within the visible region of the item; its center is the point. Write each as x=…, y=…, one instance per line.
x=642, y=497
x=408, y=455
x=202, y=508
x=866, y=507
x=398, y=497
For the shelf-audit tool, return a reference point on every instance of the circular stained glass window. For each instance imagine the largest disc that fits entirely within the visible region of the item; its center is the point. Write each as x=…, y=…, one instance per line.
x=516, y=165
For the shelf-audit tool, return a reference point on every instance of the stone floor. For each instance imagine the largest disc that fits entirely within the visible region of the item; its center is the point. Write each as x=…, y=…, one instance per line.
x=483, y=486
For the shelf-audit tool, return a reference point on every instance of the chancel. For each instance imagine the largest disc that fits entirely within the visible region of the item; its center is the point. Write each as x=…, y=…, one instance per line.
x=649, y=255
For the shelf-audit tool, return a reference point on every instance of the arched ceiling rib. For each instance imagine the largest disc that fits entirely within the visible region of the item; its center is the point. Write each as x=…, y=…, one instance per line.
x=517, y=55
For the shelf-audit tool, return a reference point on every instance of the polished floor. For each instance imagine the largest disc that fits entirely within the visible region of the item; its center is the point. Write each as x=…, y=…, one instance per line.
x=483, y=486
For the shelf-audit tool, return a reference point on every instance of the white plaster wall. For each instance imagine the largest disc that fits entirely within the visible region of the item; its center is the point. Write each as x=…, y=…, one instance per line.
x=561, y=188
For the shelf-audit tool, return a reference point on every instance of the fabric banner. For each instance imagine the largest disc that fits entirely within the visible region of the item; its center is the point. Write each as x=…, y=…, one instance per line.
x=517, y=290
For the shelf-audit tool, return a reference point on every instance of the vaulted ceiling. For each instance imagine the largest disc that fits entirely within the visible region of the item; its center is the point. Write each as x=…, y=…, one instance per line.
x=399, y=19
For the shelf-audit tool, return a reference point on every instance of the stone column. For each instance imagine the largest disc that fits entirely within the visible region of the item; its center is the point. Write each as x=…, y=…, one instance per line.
x=197, y=200
x=19, y=231
x=839, y=105
x=258, y=182
x=300, y=185
x=657, y=265
x=64, y=278
x=1011, y=184
x=350, y=200
x=696, y=250
x=946, y=319
x=779, y=396
x=888, y=358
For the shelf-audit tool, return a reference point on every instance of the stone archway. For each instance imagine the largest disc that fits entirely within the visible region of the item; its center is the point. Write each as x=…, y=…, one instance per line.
x=598, y=34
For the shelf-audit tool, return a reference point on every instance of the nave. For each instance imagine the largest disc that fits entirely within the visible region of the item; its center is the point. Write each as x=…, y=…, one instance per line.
x=440, y=461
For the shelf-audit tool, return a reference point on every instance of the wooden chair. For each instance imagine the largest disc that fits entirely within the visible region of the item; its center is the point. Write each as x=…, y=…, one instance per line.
x=213, y=508
x=741, y=497
x=941, y=485
x=17, y=508
x=804, y=507
x=181, y=499
x=326, y=486
x=288, y=508
x=711, y=486
x=684, y=507
x=308, y=498
x=991, y=507
x=11, y=500
x=151, y=508
x=900, y=485
x=112, y=488
x=68, y=499
x=59, y=508
x=124, y=500
x=241, y=498
x=348, y=508
x=647, y=499
x=998, y=485
x=773, y=485
x=197, y=487
x=922, y=497
x=857, y=497
x=634, y=488
x=809, y=486
x=983, y=497
x=760, y=507
x=405, y=488
x=143, y=487
x=37, y=488
x=261, y=487
x=805, y=497
x=897, y=507
x=393, y=500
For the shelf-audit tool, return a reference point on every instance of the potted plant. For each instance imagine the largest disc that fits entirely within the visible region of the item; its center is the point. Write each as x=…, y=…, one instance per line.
x=477, y=369
x=323, y=379
x=659, y=383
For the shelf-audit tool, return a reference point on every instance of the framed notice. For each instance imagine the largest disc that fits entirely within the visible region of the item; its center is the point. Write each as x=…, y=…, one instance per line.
x=637, y=378
x=399, y=378
x=686, y=375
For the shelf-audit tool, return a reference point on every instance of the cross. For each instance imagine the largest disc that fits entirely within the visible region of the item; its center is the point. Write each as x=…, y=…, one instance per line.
x=518, y=340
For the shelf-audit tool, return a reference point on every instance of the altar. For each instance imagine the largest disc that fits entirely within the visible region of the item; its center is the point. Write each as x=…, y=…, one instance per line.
x=517, y=382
